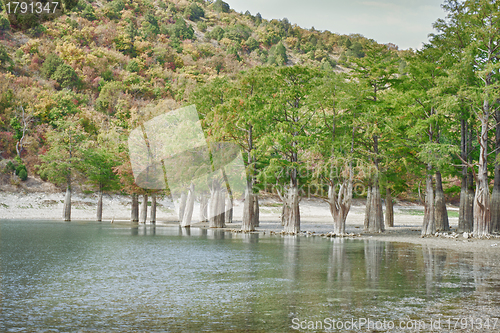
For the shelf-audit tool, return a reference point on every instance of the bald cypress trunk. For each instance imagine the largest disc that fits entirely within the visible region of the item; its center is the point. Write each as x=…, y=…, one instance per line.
x=99, y=204
x=216, y=219
x=248, y=211
x=153, y=208
x=256, y=214
x=188, y=211
x=67, y=202
x=463, y=216
x=144, y=209
x=482, y=213
x=495, y=196
x=134, y=214
x=367, y=207
x=292, y=215
x=441, y=214
x=389, y=208
x=203, y=208
x=182, y=205
x=429, y=223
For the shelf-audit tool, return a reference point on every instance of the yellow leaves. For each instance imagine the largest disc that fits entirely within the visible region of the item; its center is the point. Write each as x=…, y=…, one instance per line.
x=142, y=46
x=70, y=53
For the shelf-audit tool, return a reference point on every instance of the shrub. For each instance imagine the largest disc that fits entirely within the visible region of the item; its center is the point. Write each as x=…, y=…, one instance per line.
x=217, y=33
x=194, y=12
x=4, y=57
x=23, y=174
x=133, y=66
x=4, y=23
x=66, y=76
x=88, y=13
x=50, y=65
x=202, y=26
x=220, y=6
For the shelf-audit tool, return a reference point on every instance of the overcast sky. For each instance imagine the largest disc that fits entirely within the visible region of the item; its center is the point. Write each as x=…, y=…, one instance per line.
x=405, y=23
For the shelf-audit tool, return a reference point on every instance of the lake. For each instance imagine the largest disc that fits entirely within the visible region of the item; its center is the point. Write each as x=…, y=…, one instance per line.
x=93, y=276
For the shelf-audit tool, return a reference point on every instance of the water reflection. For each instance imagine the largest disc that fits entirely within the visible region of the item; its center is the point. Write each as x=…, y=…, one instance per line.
x=112, y=277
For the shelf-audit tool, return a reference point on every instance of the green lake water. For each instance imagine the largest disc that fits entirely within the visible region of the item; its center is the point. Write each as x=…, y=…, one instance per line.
x=65, y=277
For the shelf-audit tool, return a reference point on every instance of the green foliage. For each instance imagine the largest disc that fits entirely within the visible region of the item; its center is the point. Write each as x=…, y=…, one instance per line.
x=108, y=97
x=113, y=9
x=194, y=12
x=277, y=55
x=89, y=13
x=251, y=44
x=4, y=23
x=221, y=6
x=181, y=30
x=202, y=26
x=50, y=65
x=4, y=57
x=97, y=165
x=217, y=33
x=238, y=32
x=66, y=76
x=133, y=66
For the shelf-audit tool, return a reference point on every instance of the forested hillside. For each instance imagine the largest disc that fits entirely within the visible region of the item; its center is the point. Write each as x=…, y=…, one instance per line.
x=315, y=113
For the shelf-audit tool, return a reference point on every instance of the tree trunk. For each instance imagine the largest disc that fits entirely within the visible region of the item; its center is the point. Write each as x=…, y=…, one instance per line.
x=495, y=196
x=188, y=211
x=482, y=213
x=216, y=219
x=153, y=208
x=134, y=214
x=229, y=209
x=144, y=209
x=67, y=203
x=248, y=211
x=441, y=214
x=292, y=216
x=99, y=205
x=256, y=210
x=182, y=205
x=429, y=223
x=284, y=212
x=376, y=216
x=368, y=207
x=203, y=208
x=340, y=205
x=389, y=209
x=463, y=217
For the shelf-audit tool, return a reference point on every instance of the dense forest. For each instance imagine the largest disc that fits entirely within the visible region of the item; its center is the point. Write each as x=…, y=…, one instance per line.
x=315, y=113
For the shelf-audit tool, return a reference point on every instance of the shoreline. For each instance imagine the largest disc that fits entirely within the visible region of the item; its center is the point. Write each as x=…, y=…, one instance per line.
x=315, y=218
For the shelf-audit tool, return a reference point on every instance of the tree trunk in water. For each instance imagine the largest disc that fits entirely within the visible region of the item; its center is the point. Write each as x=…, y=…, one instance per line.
x=182, y=205
x=99, y=205
x=389, y=209
x=153, y=208
x=67, y=203
x=292, y=216
x=495, y=196
x=340, y=205
x=482, y=213
x=229, y=211
x=441, y=214
x=216, y=219
x=203, y=208
x=134, y=214
x=463, y=215
x=284, y=213
x=367, y=208
x=256, y=210
x=248, y=211
x=429, y=223
x=188, y=211
x=144, y=209
x=376, y=216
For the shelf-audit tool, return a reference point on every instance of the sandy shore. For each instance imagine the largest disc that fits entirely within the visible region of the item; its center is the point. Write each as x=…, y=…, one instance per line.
x=315, y=217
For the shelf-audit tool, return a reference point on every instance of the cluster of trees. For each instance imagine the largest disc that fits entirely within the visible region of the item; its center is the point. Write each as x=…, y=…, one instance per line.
x=71, y=96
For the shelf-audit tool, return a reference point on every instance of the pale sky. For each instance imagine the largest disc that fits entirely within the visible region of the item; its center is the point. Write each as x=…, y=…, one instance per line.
x=405, y=23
